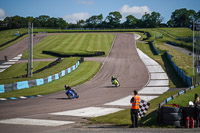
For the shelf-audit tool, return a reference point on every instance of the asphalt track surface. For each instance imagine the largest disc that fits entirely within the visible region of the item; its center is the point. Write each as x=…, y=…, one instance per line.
x=122, y=62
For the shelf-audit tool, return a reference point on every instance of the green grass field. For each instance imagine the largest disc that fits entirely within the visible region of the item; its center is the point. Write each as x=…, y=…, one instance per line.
x=177, y=32
x=20, y=69
x=76, y=42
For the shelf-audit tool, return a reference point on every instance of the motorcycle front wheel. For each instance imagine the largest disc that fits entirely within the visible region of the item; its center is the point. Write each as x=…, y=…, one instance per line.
x=70, y=96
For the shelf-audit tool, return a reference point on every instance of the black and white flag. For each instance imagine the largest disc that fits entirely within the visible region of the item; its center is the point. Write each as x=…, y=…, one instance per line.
x=143, y=108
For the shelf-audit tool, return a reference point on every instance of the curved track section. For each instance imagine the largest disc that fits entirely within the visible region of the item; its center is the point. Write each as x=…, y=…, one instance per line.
x=122, y=62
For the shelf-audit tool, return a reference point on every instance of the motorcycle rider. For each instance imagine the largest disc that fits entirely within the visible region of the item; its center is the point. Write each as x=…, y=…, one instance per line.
x=67, y=87
x=113, y=79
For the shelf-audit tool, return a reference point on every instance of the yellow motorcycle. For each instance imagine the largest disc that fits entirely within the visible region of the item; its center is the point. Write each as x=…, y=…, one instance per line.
x=116, y=83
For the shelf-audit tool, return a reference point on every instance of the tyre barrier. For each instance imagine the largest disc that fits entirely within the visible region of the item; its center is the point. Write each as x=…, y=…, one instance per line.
x=173, y=123
x=176, y=116
x=86, y=54
x=155, y=51
x=171, y=116
x=170, y=109
x=147, y=34
x=172, y=43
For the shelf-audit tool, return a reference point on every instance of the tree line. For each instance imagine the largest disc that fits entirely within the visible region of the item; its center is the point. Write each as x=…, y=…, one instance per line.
x=179, y=18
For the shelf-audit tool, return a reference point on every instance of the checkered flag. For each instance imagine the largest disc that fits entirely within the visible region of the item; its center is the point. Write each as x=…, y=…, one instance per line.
x=143, y=108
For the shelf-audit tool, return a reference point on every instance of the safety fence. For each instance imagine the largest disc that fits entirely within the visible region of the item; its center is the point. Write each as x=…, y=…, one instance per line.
x=181, y=74
x=155, y=51
x=37, y=82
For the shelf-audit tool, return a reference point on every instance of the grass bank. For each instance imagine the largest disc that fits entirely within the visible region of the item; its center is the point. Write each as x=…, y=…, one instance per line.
x=20, y=69
x=83, y=73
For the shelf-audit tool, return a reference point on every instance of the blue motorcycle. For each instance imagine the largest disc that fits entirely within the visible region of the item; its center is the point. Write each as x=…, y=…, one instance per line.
x=71, y=94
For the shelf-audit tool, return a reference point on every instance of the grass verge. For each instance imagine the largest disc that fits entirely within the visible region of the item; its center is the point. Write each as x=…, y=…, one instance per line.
x=20, y=69
x=83, y=73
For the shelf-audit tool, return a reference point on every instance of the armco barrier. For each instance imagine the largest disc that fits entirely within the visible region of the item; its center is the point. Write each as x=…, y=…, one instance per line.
x=36, y=82
x=155, y=51
x=181, y=74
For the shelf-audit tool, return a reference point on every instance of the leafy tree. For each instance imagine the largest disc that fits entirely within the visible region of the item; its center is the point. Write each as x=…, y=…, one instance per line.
x=170, y=23
x=155, y=19
x=62, y=23
x=52, y=22
x=29, y=19
x=145, y=21
x=99, y=19
x=91, y=22
x=43, y=20
x=7, y=22
x=80, y=23
x=152, y=20
x=94, y=21
x=183, y=17
x=113, y=19
x=130, y=22
x=198, y=14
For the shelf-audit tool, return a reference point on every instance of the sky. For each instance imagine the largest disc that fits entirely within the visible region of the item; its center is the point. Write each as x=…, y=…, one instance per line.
x=74, y=10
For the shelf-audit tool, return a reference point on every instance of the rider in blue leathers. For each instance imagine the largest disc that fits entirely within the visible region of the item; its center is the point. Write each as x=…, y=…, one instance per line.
x=67, y=87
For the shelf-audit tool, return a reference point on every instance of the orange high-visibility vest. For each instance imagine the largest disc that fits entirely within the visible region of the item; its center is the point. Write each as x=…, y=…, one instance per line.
x=136, y=102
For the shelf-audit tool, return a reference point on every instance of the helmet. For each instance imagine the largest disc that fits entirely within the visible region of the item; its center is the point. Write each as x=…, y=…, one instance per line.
x=113, y=76
x=66, y=86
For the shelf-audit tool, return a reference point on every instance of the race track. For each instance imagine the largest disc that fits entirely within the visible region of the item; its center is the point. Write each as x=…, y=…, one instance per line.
x=122, y=62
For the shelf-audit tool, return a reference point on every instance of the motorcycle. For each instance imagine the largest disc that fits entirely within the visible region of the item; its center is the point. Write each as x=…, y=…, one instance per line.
x=116, y=83
x=71, y=94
